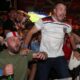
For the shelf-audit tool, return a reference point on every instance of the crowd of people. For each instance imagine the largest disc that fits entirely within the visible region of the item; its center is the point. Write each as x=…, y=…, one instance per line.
x=36, y=51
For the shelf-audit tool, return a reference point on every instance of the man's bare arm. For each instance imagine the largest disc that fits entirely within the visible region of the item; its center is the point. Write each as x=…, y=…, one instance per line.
x=72, y=40
x=29, y=35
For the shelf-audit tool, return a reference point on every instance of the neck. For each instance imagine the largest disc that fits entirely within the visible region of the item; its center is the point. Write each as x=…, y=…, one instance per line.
x=55, y=19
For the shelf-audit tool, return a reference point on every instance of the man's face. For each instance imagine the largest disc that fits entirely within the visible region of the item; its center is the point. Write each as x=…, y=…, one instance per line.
x=13, y=44
x=60, y=12
x=13, y=14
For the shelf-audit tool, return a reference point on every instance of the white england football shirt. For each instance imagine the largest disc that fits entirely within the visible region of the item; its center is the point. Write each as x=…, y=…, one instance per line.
x=52, y=36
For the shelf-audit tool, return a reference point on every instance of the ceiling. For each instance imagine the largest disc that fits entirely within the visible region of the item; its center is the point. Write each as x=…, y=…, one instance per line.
x=39, y=5
x=46, y=4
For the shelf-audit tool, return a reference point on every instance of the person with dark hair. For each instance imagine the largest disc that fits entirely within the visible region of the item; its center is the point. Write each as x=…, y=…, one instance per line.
x=53, y=31
x=9, y=24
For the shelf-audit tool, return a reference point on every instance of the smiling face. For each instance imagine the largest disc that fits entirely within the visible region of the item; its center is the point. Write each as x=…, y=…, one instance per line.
x=13, y=44
x=59, y=12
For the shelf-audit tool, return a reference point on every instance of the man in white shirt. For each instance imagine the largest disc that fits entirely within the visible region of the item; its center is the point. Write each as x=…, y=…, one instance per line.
x=53, y=30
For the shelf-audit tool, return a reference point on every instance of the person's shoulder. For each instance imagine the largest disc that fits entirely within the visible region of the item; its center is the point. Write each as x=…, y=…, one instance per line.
x=67, y=24
x=48, y=18
x=7, y=22
x=4, y=51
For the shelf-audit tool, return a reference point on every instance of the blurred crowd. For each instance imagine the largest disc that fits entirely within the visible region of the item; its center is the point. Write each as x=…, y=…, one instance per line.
x=14, y=20
x=17, y=20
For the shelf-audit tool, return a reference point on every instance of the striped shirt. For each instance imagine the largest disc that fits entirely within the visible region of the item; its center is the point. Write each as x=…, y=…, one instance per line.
x=53, y=33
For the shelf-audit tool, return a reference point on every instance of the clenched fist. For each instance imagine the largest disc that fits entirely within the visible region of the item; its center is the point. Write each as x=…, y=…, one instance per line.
x=40, y=55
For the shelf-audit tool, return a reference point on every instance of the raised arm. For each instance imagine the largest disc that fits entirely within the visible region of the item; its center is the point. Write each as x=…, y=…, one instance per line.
x=72, y=40
x=29, y=35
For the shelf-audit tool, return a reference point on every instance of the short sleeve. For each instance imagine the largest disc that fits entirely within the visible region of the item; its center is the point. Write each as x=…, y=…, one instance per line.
x=39, y=24
x=68, y=29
